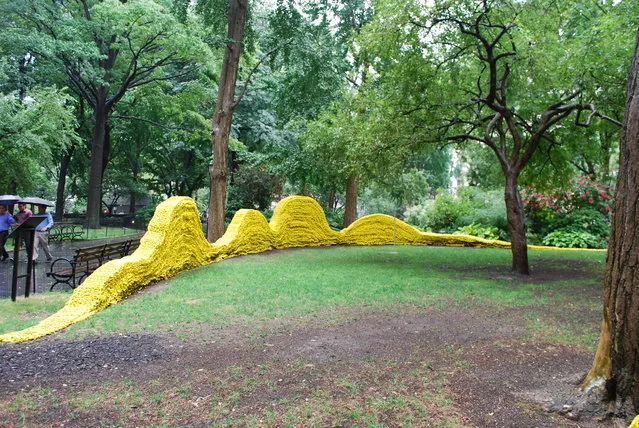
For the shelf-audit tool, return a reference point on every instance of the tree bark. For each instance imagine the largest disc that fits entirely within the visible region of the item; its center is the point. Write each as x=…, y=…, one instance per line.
x=350, y=210
x=331, y=200
x=516, y=225
x=94, y=199
x=616, y=362
x=223, y=118
x=132, y=202
x=62, y=182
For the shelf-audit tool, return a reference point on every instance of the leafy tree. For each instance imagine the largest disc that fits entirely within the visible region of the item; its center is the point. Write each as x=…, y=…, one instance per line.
x=488, y=72
x=29, y=132
x=105, y=48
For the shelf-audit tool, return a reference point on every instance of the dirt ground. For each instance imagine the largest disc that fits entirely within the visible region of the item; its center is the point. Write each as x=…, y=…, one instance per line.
x=437, y=366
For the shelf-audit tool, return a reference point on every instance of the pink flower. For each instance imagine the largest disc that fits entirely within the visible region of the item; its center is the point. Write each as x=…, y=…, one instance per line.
x=590, y=200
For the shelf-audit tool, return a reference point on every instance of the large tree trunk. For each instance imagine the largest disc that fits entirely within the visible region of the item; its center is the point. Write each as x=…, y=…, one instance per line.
x=94, y=199
x=350, y=210
x=516, y=225
x=617, y=359
x=223, y=117
x=62, y=182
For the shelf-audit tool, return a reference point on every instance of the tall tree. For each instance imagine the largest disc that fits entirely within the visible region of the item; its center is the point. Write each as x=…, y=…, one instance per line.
x=223, y=117
x=30, y=131
x=105, y=48
x=489, y=72
x=616, y=362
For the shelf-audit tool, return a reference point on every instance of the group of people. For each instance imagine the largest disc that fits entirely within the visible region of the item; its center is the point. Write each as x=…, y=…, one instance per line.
x=41, y=231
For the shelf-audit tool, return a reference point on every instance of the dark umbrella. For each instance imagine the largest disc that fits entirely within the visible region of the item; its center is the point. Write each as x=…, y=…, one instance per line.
x=36, y=201
x=9, y=199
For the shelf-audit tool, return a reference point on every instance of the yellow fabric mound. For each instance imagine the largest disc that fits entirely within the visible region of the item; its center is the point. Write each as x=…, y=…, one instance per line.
x=299, y=221
x=174, y=243
x=380, y=229
x=248, y=233
x=635, y=422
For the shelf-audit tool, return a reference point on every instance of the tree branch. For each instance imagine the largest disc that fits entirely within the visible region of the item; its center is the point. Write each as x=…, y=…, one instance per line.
x=254, y=69
x=593, y=113
x=159, y=125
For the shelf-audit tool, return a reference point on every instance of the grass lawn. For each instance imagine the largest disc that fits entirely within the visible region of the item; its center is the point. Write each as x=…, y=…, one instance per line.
x=303, y=282
x=108, y=232
x=341, y=336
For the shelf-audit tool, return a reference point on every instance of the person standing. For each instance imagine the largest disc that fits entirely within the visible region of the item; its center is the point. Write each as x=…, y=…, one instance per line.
x=42, y=233
x=20, y=217
x=6, y=220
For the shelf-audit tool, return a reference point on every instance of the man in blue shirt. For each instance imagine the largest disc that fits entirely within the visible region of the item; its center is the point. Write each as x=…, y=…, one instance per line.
x=42, y=233
x=6, y=220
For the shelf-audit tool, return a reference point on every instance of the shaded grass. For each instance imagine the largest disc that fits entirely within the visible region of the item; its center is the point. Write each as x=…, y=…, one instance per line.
x=303, y=282
x=107, y=232
x=24, y=313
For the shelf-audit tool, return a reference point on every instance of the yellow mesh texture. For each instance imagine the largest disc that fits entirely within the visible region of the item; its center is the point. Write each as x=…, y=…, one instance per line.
x=299, y=221
x=174, y=243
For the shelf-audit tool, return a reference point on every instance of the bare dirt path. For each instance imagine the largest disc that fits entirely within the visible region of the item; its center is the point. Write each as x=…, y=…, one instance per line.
x=410, y=367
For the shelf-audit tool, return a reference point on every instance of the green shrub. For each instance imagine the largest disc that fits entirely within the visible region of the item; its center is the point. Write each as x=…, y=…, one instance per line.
x=416, y=215
x=571, y=238
x=587, y=219
x=378, y=202
x=443, y=214
x=251, y=188
x=335, y=218
x=447, y=213
x=145, y=213
x=479, y=231
x=487, y=208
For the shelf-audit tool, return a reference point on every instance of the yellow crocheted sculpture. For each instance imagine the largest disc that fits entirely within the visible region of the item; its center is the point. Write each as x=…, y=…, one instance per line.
x=174, y=243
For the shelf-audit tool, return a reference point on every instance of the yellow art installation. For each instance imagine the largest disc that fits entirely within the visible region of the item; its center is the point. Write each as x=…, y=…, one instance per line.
x=174, y=243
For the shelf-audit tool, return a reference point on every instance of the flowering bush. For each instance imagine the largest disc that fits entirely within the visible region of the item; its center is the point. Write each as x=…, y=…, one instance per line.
x=585, y=207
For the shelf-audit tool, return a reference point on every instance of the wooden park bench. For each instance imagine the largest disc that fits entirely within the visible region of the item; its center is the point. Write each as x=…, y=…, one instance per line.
x=86, y=260
x=65, y=231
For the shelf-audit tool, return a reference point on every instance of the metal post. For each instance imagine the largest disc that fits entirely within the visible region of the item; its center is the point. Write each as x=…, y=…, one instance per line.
x=30, y=267
x=16, y=255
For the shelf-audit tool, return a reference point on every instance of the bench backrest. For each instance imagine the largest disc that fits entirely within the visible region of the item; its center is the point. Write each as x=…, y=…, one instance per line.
x=89, y=254
x=105, y=252
x=133, y=245
x=114, y=251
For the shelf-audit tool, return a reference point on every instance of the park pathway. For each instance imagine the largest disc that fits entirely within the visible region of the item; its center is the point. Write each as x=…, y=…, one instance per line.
x=64, y=249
